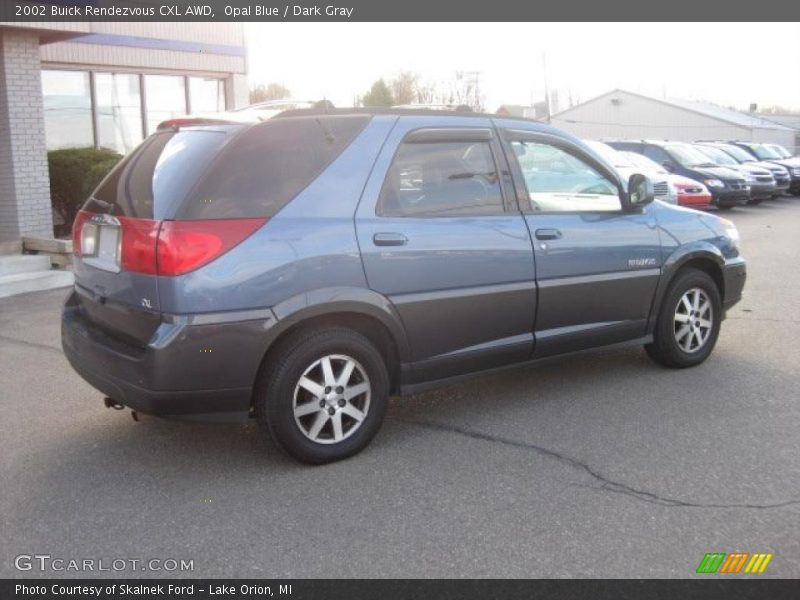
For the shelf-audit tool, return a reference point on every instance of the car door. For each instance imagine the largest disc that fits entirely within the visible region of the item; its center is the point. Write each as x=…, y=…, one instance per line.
x=597, y=266
x=442, y=238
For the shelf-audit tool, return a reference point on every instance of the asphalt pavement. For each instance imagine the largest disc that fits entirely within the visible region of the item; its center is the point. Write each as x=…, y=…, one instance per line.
x=602, y=465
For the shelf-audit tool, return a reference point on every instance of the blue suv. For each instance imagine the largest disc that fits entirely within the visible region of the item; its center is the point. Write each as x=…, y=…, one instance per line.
x=304, y=269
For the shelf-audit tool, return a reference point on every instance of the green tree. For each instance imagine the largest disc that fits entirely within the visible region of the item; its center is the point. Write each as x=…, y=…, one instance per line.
x=378, y=95
x=271, y=91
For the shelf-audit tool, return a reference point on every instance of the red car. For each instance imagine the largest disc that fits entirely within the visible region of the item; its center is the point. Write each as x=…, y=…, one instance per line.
x=690, y=192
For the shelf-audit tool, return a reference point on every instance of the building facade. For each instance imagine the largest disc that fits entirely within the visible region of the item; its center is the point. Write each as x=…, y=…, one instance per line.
x=626, y=115
x=66, y=85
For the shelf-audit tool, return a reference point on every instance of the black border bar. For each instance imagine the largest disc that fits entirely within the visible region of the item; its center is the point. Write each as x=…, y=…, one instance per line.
x=407, y=11
x=413, y=589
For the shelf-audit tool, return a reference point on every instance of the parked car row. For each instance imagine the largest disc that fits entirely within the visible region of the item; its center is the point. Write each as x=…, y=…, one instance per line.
x=724, y=174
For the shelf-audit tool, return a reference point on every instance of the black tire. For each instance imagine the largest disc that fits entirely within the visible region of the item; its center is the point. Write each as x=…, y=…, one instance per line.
x=665, y=349
x=274, y=394
x=724, y=206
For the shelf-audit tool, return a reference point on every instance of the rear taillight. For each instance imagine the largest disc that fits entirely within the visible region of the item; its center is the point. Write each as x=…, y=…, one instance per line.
x=138, y=247
x=170, y=247
x=187, y=245
x=77, y=230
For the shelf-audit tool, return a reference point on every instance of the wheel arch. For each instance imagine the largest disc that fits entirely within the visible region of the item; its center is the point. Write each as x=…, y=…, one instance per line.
x=703, y=256
x=367, y=312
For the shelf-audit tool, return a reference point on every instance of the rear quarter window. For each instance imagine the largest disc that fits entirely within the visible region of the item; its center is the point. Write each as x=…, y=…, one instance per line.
x=267, y=165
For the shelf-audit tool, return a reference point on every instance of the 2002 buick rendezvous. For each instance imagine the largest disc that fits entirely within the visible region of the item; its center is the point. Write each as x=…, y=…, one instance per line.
x=306, y=268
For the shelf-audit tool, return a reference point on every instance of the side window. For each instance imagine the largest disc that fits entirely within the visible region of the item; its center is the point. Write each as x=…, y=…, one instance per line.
x=557, y=181
x=441, y=179
x=656, y=154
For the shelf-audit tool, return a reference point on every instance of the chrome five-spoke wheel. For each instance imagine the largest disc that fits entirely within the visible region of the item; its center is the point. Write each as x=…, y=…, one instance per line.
x=331, y=399
x=693, y=321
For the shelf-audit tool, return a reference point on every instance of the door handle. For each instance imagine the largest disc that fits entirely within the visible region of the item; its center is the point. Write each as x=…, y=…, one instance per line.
x=389, y=239
x=548, y=234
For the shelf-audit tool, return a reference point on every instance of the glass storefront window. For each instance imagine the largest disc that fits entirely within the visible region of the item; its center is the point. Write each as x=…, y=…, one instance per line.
x=165, y=98
x=206, y=95
x=119, y=111
x=70, y=118
x=67, y=109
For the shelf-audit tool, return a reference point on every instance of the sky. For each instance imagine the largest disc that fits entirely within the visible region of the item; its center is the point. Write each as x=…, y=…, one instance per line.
x=731, y=64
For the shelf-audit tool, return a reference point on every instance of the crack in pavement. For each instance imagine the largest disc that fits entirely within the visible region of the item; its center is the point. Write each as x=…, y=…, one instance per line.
x=4, y=338
x=768, y=319
x=606, y=484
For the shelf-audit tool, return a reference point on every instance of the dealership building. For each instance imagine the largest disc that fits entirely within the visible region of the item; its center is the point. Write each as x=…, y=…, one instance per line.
x=105, y=85
x=620, y=114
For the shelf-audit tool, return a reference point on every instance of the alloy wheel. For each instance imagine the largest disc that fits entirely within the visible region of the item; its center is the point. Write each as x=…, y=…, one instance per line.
x=693, y=321
x=331, y=399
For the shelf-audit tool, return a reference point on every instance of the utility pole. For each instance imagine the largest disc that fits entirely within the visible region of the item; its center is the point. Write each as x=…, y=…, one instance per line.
x=546, y=88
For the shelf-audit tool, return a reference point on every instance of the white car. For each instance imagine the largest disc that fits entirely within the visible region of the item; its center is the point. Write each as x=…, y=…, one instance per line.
x=626, y=167
x=261, y=111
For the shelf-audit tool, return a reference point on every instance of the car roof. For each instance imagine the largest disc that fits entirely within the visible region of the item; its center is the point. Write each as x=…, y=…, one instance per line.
x=410, y=112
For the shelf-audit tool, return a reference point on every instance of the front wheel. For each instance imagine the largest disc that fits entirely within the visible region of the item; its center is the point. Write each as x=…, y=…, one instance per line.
x=323, y=395
x=688, y=322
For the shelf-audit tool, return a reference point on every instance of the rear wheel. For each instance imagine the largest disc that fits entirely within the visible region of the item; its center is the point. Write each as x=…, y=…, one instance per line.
x=688, y=322
x=324, y=395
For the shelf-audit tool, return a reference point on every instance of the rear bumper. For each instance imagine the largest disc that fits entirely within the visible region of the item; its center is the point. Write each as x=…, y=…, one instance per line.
x=734, y=274
x=193, y=368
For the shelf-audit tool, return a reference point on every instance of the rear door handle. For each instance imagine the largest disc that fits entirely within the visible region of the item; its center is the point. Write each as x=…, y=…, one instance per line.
x=548, y=234
x=389, y=239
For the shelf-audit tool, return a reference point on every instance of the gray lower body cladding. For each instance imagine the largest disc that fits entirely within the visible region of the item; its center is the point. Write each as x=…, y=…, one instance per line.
x=191, y=368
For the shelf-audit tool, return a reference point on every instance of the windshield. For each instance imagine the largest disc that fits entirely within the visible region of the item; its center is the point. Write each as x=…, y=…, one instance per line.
x=780, y=150
x=742, y=156
x=689, y=157
x=764, y=153
x=640, y=161
x=608, y=153
x=718, y=156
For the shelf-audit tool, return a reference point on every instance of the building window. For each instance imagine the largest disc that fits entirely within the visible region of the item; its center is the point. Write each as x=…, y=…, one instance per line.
x=206, y=95
x=165, y=98
x=119, y=111
x=67, y=109
x=111, y=114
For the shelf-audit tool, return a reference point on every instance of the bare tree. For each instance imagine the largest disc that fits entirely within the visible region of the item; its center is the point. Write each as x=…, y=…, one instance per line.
x=271, y=91
x=404, y=87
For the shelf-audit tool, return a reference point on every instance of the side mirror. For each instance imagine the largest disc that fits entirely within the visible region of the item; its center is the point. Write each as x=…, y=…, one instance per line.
x=669, y=166
x=640, y=191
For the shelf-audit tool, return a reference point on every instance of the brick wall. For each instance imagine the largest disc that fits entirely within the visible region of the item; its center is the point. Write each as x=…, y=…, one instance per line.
x=24, y=181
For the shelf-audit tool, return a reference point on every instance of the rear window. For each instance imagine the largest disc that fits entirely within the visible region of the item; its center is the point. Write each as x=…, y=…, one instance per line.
x=152, y=180
x=225, y=173
x=268, y=165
